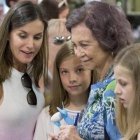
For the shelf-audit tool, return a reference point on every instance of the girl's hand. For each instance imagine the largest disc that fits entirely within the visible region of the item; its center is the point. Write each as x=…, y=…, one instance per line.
x=68, y=132
x=53, y=137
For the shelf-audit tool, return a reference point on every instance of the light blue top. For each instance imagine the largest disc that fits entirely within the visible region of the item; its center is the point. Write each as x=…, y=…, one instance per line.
x=98, y=119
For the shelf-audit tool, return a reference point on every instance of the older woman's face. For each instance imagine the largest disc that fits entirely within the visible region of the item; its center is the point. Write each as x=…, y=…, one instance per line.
x=87, y=47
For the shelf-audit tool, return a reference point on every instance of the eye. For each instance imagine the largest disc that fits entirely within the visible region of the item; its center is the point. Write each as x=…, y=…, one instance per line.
x=122, y=83
x=38, y=37
x=79, y=70
x=22, y=35
x=83, y=45
x=63, y=72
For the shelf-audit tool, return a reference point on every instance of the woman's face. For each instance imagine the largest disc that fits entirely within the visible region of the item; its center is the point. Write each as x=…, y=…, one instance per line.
x=25, y=42
x=87, y=47
x=124, y=85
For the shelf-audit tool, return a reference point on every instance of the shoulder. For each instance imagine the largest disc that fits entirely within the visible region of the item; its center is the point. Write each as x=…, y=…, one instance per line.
x=109, y=90
x=111, y=85
x=44, y=114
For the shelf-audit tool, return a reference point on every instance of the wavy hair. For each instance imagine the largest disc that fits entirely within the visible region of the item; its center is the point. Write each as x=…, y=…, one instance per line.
x=107, y=23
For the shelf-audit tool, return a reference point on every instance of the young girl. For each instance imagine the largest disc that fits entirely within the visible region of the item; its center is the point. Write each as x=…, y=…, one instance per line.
x=127, y=74
x=70, y=88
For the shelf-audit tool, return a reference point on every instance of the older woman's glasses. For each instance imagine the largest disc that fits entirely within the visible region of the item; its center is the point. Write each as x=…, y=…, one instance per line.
x=26, y=82
x=58, y=40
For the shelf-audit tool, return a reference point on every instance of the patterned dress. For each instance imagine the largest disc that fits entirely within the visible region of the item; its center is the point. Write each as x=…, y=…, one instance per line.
x=97, y=122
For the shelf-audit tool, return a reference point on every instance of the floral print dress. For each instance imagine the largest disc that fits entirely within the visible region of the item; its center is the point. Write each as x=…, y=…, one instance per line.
x=98, y=119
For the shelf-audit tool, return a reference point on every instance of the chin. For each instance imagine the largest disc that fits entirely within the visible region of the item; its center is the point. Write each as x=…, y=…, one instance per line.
x=125, y=106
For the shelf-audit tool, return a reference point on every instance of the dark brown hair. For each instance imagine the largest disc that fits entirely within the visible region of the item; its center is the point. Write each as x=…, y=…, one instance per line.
x=107, y=23
x=19, y=15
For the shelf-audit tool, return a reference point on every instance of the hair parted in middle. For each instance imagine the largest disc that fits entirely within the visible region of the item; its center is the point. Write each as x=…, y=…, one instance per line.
x=59, y=95
x=19, y=15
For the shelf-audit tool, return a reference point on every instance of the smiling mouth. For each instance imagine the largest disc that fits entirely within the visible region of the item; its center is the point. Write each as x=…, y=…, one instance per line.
x=27, y=53
x=86, y=60
x=74, y=86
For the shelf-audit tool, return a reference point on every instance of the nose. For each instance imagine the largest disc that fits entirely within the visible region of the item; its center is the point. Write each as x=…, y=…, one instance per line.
x=72, y=77
x=79, y=51
x=117, y=90
x=30, y=43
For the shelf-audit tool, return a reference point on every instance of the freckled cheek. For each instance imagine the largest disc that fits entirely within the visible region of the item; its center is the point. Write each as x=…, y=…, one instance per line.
x=64, y=80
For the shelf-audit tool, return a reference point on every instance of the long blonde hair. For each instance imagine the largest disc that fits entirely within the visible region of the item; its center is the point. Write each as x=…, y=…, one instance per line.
x=128, y=120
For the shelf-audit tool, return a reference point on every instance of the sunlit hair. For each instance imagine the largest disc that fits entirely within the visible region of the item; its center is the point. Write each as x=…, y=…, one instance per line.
x=128, y=120
x=59, y=94
x=19, y=15
x=107, y=23
x=56, y=27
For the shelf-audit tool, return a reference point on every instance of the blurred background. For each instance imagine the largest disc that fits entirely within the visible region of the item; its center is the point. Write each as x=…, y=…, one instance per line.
x=130, y=7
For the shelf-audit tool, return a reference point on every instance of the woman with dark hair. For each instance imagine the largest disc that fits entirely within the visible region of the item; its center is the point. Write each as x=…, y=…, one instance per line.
x=22, y=64
x=99, y=31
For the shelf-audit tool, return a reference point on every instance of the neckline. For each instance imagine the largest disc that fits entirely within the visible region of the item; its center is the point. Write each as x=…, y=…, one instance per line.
x=73, y=111
x=16, y=72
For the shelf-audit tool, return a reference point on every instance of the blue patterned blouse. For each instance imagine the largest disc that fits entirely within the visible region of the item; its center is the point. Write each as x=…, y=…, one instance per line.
x=98, y=119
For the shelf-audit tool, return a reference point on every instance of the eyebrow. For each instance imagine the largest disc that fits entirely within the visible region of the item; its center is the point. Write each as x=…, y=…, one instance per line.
x=27, y=32
x=84, y=41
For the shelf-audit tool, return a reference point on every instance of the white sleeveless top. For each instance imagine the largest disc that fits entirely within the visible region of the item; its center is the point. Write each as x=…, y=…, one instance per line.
x=17, y=117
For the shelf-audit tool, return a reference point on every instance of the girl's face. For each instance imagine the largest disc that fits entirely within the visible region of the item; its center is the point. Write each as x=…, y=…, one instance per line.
x=25, y=42
x=75, y=79
x=87, y=48
x=125, y=88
